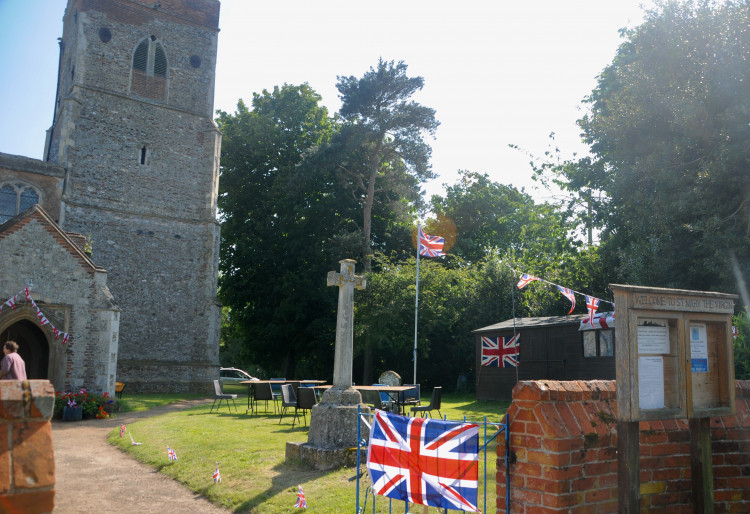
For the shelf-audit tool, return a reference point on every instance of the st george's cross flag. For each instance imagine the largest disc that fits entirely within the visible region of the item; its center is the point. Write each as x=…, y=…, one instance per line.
x=525, y=280
x=500, y=351
x=570, y=295
x=430, y=246
x=424, y=461
x=592, y=303
x=301, y=502
x=171, y=453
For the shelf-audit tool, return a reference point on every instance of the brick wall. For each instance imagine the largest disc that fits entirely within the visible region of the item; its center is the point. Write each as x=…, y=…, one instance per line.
x=27, y=463
x=564, y=439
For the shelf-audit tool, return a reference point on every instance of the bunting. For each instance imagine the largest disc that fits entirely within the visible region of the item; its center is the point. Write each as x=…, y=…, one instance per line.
x=43, y=320
x=570, y=294
x=592, y=303
x=526, y=279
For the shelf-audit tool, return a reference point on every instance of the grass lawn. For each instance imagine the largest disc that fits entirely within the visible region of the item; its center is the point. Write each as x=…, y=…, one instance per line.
x=250, y=451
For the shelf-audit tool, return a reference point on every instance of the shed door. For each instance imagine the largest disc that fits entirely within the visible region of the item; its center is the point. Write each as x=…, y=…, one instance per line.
x=555, y=354
x=542, y=352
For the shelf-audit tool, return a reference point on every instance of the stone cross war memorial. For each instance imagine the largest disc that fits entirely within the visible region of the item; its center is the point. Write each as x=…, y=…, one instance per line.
x=333, y=422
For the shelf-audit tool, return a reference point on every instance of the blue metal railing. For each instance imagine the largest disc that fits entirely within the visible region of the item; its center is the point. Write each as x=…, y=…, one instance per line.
x=501, y=428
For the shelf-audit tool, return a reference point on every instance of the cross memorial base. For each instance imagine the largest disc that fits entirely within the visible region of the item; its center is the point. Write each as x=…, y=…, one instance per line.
x=332, y=439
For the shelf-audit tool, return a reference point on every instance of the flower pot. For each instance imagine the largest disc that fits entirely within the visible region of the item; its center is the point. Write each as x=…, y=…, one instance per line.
x=72, y=413
x=109, y=408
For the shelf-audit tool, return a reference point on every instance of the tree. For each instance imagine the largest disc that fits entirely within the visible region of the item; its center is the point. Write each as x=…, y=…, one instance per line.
x=380, y=150
x=491, y=216
x=277, y=220
x=668, y=125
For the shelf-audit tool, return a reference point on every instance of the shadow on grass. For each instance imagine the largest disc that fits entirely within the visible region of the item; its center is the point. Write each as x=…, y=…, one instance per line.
x=291, y=474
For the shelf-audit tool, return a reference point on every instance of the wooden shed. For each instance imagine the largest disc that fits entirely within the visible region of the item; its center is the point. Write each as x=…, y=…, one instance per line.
x=553, y=348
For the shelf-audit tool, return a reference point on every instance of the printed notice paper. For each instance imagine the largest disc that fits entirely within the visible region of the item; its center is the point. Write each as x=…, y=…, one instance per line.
x=698, y=349
x=651, y=382
x=653, y=337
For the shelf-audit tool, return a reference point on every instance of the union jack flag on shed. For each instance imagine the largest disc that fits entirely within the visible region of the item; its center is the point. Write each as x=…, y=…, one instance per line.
x=497, y=349
x=424, y=461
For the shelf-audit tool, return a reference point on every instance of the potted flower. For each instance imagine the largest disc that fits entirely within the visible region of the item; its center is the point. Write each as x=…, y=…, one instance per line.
x=109, y=405
x=72, y=411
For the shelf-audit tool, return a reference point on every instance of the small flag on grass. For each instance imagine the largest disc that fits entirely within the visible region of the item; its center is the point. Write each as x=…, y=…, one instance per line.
x=122, y=430
x=301, y=502
x=217, y=474
x=132, y=442
x=171, y=453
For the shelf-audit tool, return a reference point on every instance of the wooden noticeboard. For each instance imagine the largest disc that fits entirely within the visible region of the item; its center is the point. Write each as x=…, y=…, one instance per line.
x=674, y=353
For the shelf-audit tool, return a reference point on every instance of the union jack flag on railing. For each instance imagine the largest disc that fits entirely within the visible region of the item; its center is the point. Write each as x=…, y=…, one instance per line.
x=424, y=461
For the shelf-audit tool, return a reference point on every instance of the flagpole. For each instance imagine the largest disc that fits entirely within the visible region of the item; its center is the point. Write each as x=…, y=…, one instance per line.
x=416, y=310
x=513, y=296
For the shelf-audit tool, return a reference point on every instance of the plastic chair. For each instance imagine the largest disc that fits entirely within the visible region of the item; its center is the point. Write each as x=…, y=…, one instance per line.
x=219, y=395
x=276, y=388
x=262, y=392
x=119, y=388
x=437, y=395
x=306, y=401
x=295, y=386
x=288, y=399
x=411, y=397
x=385, y=399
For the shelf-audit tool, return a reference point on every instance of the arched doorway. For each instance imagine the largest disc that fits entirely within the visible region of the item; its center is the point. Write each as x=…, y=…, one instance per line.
x=32, y=347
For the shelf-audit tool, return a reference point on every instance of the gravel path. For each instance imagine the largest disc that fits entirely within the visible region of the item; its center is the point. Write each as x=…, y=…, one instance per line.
x=93, y=476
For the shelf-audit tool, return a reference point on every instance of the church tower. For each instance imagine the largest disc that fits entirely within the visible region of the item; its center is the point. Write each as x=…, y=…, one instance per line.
x=133, y=128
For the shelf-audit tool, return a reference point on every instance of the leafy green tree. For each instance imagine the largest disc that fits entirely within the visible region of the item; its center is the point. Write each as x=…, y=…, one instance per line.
x=278, y=219
x=491, y=216
x=742, y=346
x=668, y=127
x=380, y=151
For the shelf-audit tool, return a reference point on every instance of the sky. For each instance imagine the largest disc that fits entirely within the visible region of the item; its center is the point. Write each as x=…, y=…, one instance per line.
x=496, y=72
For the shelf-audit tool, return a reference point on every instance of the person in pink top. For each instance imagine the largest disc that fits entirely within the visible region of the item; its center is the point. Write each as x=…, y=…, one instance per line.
x=12, y=366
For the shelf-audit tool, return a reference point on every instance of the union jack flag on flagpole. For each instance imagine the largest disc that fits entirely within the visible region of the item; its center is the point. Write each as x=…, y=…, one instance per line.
x=592, y=303
x=526, y=279
x=424, y=461
x=570, y=295
x=301, y=502
x=122, y=430
x=171, y=453
x=430, y=246
x=500, y=349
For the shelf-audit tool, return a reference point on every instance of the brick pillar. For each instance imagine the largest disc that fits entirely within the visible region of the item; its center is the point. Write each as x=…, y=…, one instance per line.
x=563, y=436
x=27, y=462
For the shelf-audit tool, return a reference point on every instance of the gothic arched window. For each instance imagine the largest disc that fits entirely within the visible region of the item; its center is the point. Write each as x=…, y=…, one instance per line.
x=16, y=198
x=149, y=74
